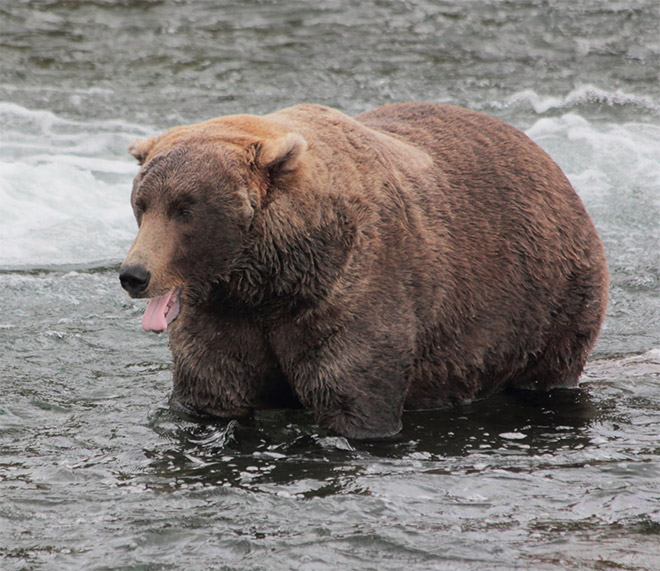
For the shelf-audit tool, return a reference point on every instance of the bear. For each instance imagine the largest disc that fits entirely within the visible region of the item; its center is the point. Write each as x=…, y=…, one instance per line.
x=416, y=256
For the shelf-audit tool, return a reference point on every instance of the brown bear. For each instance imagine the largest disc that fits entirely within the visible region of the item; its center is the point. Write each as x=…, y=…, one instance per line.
x=415, y=256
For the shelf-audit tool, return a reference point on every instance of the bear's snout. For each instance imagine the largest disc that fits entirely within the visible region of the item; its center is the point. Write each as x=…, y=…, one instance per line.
x=134, y=279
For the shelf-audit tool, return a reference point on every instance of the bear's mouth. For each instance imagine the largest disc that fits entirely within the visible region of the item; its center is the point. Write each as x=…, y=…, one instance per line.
x=162, y=310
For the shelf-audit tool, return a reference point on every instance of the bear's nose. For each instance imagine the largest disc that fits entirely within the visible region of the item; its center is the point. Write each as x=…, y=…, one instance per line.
x=134, y=279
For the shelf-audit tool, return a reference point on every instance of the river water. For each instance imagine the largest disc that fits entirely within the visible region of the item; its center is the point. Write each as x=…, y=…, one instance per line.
x=97, y=473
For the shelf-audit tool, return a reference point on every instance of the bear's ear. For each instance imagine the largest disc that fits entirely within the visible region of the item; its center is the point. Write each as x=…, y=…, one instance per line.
x=279, y=155
x=140, y=149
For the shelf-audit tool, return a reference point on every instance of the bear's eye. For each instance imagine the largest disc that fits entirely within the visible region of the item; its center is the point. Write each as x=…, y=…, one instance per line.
x=140, y=207
x=181, y=212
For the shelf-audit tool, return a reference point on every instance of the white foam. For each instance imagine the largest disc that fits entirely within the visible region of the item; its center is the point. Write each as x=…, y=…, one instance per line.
x=45, y=121
x=57, y=213
x=64, y=188
x=604, y=161
x=583, y=95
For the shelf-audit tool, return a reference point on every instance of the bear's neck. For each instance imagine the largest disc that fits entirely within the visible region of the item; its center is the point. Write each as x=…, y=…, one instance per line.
x=289, y=266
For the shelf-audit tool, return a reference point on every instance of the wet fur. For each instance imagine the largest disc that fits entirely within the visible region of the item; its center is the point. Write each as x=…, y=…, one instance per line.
x=418, y=255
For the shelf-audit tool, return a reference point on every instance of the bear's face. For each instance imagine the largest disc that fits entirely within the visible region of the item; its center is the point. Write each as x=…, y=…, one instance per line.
x=194, y=199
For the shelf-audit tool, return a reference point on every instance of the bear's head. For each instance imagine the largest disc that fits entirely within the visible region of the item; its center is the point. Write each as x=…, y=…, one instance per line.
x=194, y=199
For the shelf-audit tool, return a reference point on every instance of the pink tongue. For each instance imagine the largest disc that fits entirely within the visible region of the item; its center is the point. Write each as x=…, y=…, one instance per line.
x=154, y=316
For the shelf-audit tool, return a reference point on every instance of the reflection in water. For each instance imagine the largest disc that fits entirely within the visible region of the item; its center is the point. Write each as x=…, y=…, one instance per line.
x=284, y=446
x=522, y=420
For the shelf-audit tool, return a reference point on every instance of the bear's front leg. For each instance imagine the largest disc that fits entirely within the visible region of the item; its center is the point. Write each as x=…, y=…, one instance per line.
x=354, y=379
x=223, y=367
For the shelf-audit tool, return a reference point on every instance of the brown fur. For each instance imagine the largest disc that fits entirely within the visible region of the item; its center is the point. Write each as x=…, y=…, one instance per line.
x=418, y=255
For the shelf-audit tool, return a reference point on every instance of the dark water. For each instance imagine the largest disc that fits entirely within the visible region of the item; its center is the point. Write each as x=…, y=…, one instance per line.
x=97, y=473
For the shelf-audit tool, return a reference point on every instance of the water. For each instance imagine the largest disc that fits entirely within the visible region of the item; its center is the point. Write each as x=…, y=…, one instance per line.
x=97, y=473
